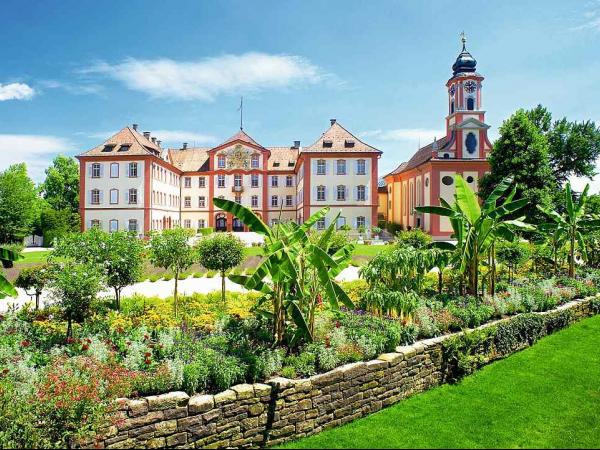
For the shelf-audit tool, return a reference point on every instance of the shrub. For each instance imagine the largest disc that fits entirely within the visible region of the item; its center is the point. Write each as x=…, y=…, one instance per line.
x=470, y=312
x=414, y=238
x=195, y=377
x=520, y=331
x=303, y=364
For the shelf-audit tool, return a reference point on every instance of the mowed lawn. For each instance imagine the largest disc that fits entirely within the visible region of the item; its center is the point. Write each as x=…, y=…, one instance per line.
x=545, y=396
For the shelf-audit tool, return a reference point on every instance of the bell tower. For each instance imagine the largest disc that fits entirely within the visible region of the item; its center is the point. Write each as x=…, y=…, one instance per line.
x=465, y=108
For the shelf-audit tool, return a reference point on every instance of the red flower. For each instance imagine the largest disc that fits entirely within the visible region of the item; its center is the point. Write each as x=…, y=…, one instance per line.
x=25, y=343
x=84, y=347
x=70, y=340
x=327, y=342
x=147, y=354
x=319, y=300
x=338, y=324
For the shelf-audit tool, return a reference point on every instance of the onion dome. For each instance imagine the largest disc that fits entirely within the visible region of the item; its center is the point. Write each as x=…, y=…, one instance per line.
x=465, y=63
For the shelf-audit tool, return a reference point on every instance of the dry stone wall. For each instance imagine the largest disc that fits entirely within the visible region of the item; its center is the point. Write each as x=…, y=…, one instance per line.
x=256, y=415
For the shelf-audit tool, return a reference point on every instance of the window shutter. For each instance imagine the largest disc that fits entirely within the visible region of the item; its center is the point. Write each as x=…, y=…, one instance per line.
x=327, y=222
x=346, y=193
x=127, y=197
x=355, y=189
x=101, y=170
x=355, y=222
x=128, y=170
x=367, y=222
x=366, y=193
x=367, y=161
x=90, y=197
x=327, y=167
x=101, y=196
x=89, y=166
x=326, y=193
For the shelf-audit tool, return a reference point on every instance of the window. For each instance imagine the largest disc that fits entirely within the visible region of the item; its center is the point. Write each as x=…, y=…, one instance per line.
x=274, y=181
x=470, y=103
x=124, y=148
x=254, y=180
x=361, y=222
x=289, y=181
x=341, y=167
x=426, y=182
x=114, y=196
x=133, y=196
x=201, y=182
x=132, y=225
x=361, y=167
x=452, y=107
x=187, y=223
x=237, y=181
x=221, y=181
x=447, y=180
x=187, y=182
x=341, y=193
x=321, y=224
x=113, y=225
x=114, y=170
x=95, y=197
x=238, y=199
x=361, y=193
x=221, y=162
x=201, y=223
x=288, y=200
x=321, y=167
x=274, y=200
x=133, y=170
x=321, y=193
x=254, y=161
x=471, y=143
x=470, y=179
x=187, y=202
x=108, y=148
x=254, y=201
x=201, y=202
x=96, y=170
x=341, y=221
x=95, y=223
x=327, y=143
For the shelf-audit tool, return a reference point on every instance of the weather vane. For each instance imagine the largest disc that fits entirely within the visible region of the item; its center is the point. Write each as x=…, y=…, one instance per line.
x=241, y=110
x=463, y=39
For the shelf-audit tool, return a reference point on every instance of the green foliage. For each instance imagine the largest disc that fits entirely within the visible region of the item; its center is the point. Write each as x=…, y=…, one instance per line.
x=7, y=257
x=171, y=250
x=415, y=238
x=61, y=186
x=57, y=224
x=338, y=239
x=19, y=204
x=513, y=255
x=206, y=231
x=118, y=256
x=222, y=252
x=521, y=153
x=34, y=280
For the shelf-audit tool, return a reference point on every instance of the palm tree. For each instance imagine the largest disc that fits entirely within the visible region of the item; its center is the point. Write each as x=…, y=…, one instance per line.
x=477, y=227
x=571, y=226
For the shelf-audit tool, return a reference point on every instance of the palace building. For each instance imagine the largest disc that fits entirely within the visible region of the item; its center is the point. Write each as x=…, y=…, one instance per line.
x=129, y=182
x=429, y=173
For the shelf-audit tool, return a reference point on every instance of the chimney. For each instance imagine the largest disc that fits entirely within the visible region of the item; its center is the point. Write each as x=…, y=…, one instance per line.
x=153, y=139
x=134, y=126
x=296, y=144
x=147, y=134
x=332, y=121
x=158, y=143
x=184, y=147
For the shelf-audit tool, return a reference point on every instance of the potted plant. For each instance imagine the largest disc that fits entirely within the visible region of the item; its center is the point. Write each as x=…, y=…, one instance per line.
x=375, y=231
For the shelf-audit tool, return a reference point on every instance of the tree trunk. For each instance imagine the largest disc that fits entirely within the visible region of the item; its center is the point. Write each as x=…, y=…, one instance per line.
x=473, y=285
x=572, y=257
x=279, y=316
x=175, y=292
x=223, y=289
x=440, y=280
x=37, y=299
x=118, y=298
x=69, y=327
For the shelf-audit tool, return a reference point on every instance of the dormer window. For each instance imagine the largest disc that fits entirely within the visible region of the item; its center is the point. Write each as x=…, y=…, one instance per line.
x=349, y=143
x=291, y=164
x=108, y=148
x=327, y=143
x=276, y=164
x=124, y=148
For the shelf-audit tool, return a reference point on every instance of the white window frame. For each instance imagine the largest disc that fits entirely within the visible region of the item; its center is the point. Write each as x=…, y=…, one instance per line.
x=96, y=170
x=202, y=182
x=112, y=222
x=114, y=170
x=220, y=181
x=132, y=222
x=340, y=165
x=133, y=170
x=187, y=201
x=201, y=201
x=133, y=196
x=274, y=200
x=254, y=201
x=110, y=197
x=321, y=190
x=254, y=180
x=361, y=167
x=321, y=167
x=364, y=193
x=340, y=188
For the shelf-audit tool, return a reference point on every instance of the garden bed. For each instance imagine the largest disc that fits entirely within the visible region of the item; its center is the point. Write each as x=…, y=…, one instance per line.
x=283, y=409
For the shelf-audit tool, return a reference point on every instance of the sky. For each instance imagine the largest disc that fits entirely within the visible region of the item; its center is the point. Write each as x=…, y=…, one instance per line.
x=74, y=72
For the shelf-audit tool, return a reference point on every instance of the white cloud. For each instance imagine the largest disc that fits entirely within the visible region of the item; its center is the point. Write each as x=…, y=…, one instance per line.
x=15, y=91
x=591, y=17
x=404, y=134
x=207, y=78
x=37, y=151
x=72, y=88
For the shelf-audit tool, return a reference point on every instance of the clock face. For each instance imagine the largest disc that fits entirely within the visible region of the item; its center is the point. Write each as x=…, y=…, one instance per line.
x=470, y=86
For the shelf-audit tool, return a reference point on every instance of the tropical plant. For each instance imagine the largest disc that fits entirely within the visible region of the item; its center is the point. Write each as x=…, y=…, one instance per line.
x=35, y=279
x=221, y=251
x=6, y=258
x=476, y=228
x=292, y=267
x=170, y=249
x=571, y=226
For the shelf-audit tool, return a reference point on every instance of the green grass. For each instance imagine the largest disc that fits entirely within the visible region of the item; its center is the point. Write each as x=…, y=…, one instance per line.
x=253, y=251
x=34, y=257
x=545, y=396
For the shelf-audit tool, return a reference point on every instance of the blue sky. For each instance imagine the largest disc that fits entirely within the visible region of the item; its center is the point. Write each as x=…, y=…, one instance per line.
x=72, y=72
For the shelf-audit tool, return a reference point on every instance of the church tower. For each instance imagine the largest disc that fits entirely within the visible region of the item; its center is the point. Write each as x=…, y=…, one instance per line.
x=465, y=122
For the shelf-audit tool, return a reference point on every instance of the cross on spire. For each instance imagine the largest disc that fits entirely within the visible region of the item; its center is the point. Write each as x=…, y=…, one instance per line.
x=463, y=39
x=241, y=110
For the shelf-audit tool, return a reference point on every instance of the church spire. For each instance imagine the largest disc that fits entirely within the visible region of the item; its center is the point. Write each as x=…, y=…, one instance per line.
x=465, y=63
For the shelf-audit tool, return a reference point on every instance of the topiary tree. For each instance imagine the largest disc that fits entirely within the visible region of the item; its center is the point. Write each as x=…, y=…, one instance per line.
x=222, y=251
x=415, y=238
x=75, y=287
x=118, y=254
x=34, y=279
x=513, y=255
x=171, y=250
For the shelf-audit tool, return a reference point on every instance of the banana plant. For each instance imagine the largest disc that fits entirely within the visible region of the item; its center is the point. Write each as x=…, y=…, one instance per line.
x=6, y=258
x=477, y=227
x=571, y=226
x=295, y=273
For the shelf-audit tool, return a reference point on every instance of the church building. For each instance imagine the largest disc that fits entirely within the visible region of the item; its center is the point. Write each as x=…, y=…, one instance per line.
x=464, y=149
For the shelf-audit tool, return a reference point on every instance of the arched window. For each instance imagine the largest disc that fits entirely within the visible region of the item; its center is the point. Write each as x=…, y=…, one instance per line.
x=254, y=161
x=452, y=107
x=471, y=143
x=470, y=103
x=221, y=162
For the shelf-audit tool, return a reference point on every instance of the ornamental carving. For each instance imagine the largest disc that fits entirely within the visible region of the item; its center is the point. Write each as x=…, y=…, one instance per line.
x=238, y=157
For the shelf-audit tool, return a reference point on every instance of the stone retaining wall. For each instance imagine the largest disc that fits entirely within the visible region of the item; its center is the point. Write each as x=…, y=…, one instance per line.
x=256, y=415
